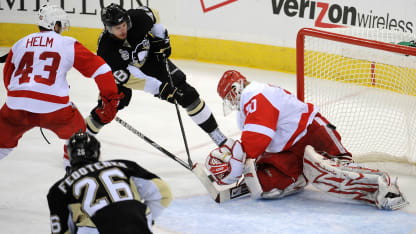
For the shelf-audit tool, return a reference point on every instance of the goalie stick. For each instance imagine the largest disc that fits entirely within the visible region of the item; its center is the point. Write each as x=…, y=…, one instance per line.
x=219, y=196
x=207, y=181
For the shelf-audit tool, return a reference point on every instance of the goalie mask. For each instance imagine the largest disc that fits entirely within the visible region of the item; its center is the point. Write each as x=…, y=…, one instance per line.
x=83, y=148
x=49, y=15
x=229, y=88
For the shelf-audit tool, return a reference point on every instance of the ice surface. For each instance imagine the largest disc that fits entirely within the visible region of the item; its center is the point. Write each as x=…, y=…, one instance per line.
x=28, y=172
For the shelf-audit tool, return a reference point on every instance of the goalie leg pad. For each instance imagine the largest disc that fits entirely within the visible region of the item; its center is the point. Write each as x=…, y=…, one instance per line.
x=350, y=181
x=251, y=179
x=326, y=175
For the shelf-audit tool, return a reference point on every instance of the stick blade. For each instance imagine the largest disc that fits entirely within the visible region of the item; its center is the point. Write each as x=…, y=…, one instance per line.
x=206, y=180
x=219, y=196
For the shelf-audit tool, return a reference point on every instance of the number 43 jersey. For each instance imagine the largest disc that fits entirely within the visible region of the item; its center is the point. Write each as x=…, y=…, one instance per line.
x=35, y=71
x=116, y=196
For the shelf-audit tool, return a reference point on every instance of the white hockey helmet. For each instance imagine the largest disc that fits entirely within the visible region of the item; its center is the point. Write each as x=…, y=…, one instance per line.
x=49, y=15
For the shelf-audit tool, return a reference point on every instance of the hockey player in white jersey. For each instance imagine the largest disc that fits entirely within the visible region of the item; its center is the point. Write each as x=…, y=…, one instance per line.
x=276, y=130
x=37, y=89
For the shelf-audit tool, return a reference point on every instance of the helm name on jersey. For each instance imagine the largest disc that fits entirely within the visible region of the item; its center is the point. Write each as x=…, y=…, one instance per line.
x=84, y=170
x=39, y=41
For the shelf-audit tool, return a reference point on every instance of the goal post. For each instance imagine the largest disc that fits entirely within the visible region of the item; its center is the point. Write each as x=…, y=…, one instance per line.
x=364, y=82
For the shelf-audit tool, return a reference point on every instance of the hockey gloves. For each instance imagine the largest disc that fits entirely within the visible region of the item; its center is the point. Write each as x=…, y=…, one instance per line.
x=160, y=47
x=107, y=109
x=125, y=100
x=226, y=163
x=169, y=93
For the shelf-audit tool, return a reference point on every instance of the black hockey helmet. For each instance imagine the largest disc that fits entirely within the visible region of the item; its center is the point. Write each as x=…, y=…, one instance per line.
x=114, y=14
x=83, y=148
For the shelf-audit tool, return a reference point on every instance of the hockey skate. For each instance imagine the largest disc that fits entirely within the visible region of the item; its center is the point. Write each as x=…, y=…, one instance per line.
x=388, y=195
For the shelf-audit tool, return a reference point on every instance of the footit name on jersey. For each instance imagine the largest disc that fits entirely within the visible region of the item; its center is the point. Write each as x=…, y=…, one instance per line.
x=338, y=16
x=75, y=175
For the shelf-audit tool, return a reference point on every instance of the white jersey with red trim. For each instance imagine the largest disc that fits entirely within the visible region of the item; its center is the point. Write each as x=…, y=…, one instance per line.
x=272, y=119
x=35, y=77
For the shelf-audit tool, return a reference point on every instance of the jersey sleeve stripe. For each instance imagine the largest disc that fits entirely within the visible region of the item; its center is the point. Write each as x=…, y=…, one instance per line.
x=101, y=70
x=259, y=129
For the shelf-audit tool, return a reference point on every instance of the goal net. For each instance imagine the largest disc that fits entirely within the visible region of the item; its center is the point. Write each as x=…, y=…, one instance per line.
x=364, y=82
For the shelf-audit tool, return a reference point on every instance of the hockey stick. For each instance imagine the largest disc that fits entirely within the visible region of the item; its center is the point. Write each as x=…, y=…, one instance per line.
x=179, y=115
x=219, y=196
x=141, y=4
x=207, y=180
x=154, y=144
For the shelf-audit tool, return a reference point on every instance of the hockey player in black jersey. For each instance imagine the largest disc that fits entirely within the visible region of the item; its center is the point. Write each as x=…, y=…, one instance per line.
x=115, y=196
x=137, y=47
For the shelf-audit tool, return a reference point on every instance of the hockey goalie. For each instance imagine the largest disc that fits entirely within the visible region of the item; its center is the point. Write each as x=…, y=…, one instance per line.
x=286, y=144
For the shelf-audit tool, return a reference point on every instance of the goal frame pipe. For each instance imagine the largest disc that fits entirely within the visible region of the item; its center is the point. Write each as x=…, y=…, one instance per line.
x=300, y=50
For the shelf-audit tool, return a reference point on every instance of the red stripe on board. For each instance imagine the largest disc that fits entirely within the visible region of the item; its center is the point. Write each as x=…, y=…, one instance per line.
x=215, y=6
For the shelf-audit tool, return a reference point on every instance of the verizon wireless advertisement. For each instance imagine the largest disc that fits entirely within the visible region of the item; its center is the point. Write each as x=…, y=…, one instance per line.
x=271, y=22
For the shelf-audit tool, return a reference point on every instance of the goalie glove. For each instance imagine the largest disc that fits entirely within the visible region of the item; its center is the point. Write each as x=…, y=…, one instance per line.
x=226, y=163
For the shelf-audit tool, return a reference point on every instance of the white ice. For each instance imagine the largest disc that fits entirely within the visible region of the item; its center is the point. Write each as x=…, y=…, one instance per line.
x=28, y=172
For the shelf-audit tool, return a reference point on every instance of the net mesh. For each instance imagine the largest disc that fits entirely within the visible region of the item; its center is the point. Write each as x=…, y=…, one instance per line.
x=368, y=94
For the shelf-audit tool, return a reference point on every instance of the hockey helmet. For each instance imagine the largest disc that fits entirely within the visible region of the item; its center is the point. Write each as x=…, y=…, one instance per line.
x=113, y=15
x=49, y=15
x=83, y=148
x=229, y=88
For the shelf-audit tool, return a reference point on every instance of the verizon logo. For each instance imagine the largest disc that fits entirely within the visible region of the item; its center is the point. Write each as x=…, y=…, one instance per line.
x=338, y=16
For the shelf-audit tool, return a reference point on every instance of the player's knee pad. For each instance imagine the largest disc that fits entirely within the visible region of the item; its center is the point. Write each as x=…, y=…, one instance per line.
x=189, y=95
